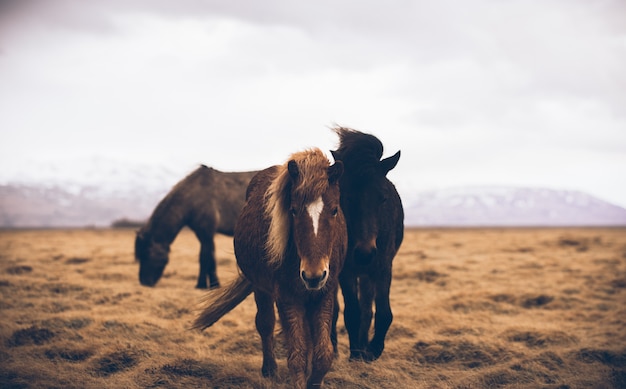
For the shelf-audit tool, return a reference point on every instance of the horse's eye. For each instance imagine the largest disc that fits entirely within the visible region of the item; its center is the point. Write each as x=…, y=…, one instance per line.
x=334, y=211
x=293, y=211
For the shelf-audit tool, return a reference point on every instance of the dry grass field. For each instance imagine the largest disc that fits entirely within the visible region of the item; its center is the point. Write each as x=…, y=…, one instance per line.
x=473, y=308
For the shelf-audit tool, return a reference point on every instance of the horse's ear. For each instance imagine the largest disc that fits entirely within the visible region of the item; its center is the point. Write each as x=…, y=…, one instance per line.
x=389, y=163
x=335, y=171
x=292, y=167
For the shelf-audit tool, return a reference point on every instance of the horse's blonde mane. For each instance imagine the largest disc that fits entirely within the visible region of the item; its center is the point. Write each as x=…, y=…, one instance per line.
x=312, y=181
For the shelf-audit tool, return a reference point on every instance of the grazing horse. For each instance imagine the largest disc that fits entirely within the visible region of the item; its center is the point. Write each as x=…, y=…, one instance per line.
x=375, y=220
x=208, y=201
x=290, y=242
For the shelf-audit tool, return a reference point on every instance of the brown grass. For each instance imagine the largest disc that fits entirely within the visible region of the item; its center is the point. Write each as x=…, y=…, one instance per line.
x=472, y=308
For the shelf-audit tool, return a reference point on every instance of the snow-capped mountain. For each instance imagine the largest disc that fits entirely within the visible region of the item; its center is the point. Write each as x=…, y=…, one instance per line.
x=78, y=193
x=47, y=206
x=509, y=206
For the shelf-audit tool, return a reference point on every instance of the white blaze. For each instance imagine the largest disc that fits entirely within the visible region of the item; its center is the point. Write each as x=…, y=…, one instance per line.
x=315, y=210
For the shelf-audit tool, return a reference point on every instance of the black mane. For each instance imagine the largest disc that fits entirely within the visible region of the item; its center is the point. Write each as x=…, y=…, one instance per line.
x=359, y=152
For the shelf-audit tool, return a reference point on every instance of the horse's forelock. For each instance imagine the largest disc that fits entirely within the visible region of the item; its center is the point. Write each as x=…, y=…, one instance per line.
x=353, y=142
x=312, y=180
x=310, y=184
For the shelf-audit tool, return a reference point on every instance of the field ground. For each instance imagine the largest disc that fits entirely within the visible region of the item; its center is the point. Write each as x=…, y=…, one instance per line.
x=473, y=308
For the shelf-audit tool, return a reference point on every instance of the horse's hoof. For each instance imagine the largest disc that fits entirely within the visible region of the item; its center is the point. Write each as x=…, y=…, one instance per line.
x=363, y=356
x=269, y=369
x=356, y=355
x=374, y=352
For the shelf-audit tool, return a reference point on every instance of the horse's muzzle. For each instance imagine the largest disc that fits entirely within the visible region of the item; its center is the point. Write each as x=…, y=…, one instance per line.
x=149, y=276
x=147, y=281
x=314, y=282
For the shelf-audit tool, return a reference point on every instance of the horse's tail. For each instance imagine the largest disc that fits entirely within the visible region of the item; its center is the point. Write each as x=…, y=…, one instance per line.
x=221, y=301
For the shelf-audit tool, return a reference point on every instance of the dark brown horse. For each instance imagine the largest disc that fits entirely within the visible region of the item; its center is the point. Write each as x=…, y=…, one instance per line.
x=375, y=221
x=290, y=243
x=207, y=201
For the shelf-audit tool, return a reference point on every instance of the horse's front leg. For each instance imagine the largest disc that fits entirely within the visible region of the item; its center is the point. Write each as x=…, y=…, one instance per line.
x=207, y=264
x=265, y=320
x=298, y=336
x=366, y=300
x=321, y=321
x=383, y=318
x=351, y=312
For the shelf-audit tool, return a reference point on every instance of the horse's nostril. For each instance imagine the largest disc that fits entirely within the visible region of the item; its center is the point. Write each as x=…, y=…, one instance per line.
x=324, y=274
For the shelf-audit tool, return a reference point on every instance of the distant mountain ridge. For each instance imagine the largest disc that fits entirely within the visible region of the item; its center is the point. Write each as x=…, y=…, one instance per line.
x=62, y=205
x=26, y=206
x=82, y=193
x=509, y=206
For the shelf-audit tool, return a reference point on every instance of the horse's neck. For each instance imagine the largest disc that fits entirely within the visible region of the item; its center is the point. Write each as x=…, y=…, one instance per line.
x=163, y=232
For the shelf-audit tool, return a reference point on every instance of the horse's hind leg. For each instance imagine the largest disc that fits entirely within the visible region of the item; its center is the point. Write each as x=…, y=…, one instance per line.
x=265, y=320
x=207, y=264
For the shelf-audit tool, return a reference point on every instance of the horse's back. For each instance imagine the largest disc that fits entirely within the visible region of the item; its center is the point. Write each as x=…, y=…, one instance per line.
x=214, y=199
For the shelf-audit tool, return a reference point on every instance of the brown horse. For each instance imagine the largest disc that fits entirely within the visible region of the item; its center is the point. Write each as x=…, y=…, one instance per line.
x=375, y=221
x=208, y=201
x=290, y=243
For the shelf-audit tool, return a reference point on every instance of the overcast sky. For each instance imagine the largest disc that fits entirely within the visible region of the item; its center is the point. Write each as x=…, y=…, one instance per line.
x=474, y=92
